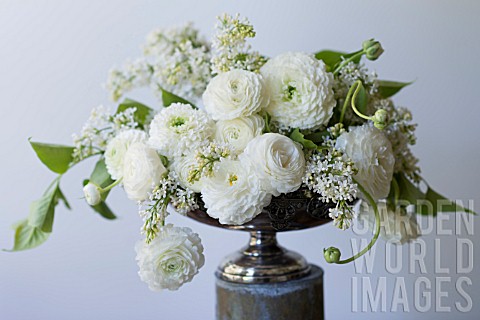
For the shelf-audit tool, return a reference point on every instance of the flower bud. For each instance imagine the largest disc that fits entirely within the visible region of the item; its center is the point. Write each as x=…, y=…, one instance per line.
x=332, y=255
x=372, y=48
x=92, y=194
x=380, y=119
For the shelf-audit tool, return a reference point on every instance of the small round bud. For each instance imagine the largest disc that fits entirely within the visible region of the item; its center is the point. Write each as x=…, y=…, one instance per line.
x=372, y=48
x=380, y=119
x=92, y=194
x=332, y=255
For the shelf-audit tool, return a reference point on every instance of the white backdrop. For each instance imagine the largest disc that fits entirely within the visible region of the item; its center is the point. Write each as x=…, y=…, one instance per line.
x=54, y=56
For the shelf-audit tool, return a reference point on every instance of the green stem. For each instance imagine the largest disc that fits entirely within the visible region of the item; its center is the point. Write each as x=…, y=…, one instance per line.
x=355, y=55
x=396, y=190
x=345, y=104
x=114, y=184
x=358, y=84
x=377, y=227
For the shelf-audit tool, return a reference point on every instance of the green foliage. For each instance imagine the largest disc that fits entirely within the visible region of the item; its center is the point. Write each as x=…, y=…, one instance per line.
x=297, y=136
x=141, y=114
x=386, y=88
x=100, y=175
x=27, y=236
x=317, y=137
x=103, y=209
x=333, y=58
x=268, y=120
x=102, y=178
x=168, y=98
x=361, y=101
x=36, y=228
x=426, y=203
x=57, y=158
x=408, y=191
x=438, y=203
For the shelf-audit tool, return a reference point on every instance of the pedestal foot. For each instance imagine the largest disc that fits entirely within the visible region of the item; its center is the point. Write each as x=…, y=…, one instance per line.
x=300, y=299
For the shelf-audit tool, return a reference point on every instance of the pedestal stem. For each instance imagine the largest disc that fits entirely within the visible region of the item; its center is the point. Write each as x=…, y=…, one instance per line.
x=263, y=261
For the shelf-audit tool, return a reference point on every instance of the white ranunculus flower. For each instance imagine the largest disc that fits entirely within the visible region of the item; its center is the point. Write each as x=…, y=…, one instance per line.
x=278, y=161
x=171, y=259
x=182, y=167
x=142, y=170
x=116, y=149
x=179, y=130
x=300, y=90
x=92, y=194
x=395, y=226
x=371, y=152
x=238, y=132
x=233, y=94
x=234, y=195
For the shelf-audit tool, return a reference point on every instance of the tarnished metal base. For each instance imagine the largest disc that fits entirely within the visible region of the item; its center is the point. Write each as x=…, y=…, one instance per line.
x=263, y=261
x=300, y=299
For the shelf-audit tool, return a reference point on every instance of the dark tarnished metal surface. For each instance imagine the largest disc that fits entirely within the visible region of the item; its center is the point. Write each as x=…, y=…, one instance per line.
x=263, y=260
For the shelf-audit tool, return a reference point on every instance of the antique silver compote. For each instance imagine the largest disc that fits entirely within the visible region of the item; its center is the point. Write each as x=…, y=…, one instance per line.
x=263, y=260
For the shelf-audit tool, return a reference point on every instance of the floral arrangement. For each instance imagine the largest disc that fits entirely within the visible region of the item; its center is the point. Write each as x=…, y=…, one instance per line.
x=236, y=129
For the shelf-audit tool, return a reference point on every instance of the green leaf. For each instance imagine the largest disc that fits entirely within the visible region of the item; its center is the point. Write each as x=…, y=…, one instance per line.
x=101, y=178
x=439, y=203
x=56, y=157
x=27, y=236
x=141, y=114
x=386, y=89
x=267, y=119
x=297, y=136
x=103, y=209
x=100, y=175
x=408, y=191
x=42, y=211
x=332, y=58
x=61, y=196
x=35, y=230
x=362, y=100
x=164, y=160
x=168, y=98
x=317, y=137
x=394, y=194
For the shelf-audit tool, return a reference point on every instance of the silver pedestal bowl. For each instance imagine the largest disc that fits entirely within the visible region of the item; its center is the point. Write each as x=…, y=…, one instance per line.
x=263, y=260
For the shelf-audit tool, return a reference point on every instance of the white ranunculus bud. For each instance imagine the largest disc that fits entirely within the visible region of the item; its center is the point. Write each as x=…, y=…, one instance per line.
x=300, y=90
x=371, y=152
x=278, y=161
x=234, y=195
x=233, y=94
x=92, y=194
x=171, y=259
x=142, y=170
x=238, y=132
x=116, y=148
x=395, y=226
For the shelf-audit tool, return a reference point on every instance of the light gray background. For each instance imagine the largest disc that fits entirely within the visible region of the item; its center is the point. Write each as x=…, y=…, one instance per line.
x=54, y=55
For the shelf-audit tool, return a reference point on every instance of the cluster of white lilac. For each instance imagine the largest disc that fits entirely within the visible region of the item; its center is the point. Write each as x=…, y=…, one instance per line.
x=153, y=210
x=329, y=173
x=352, y=72
x=133, y=74
x=207, y=161
x=99, y=129
x=230, y=47
x=401, y=133
x=175, y=59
